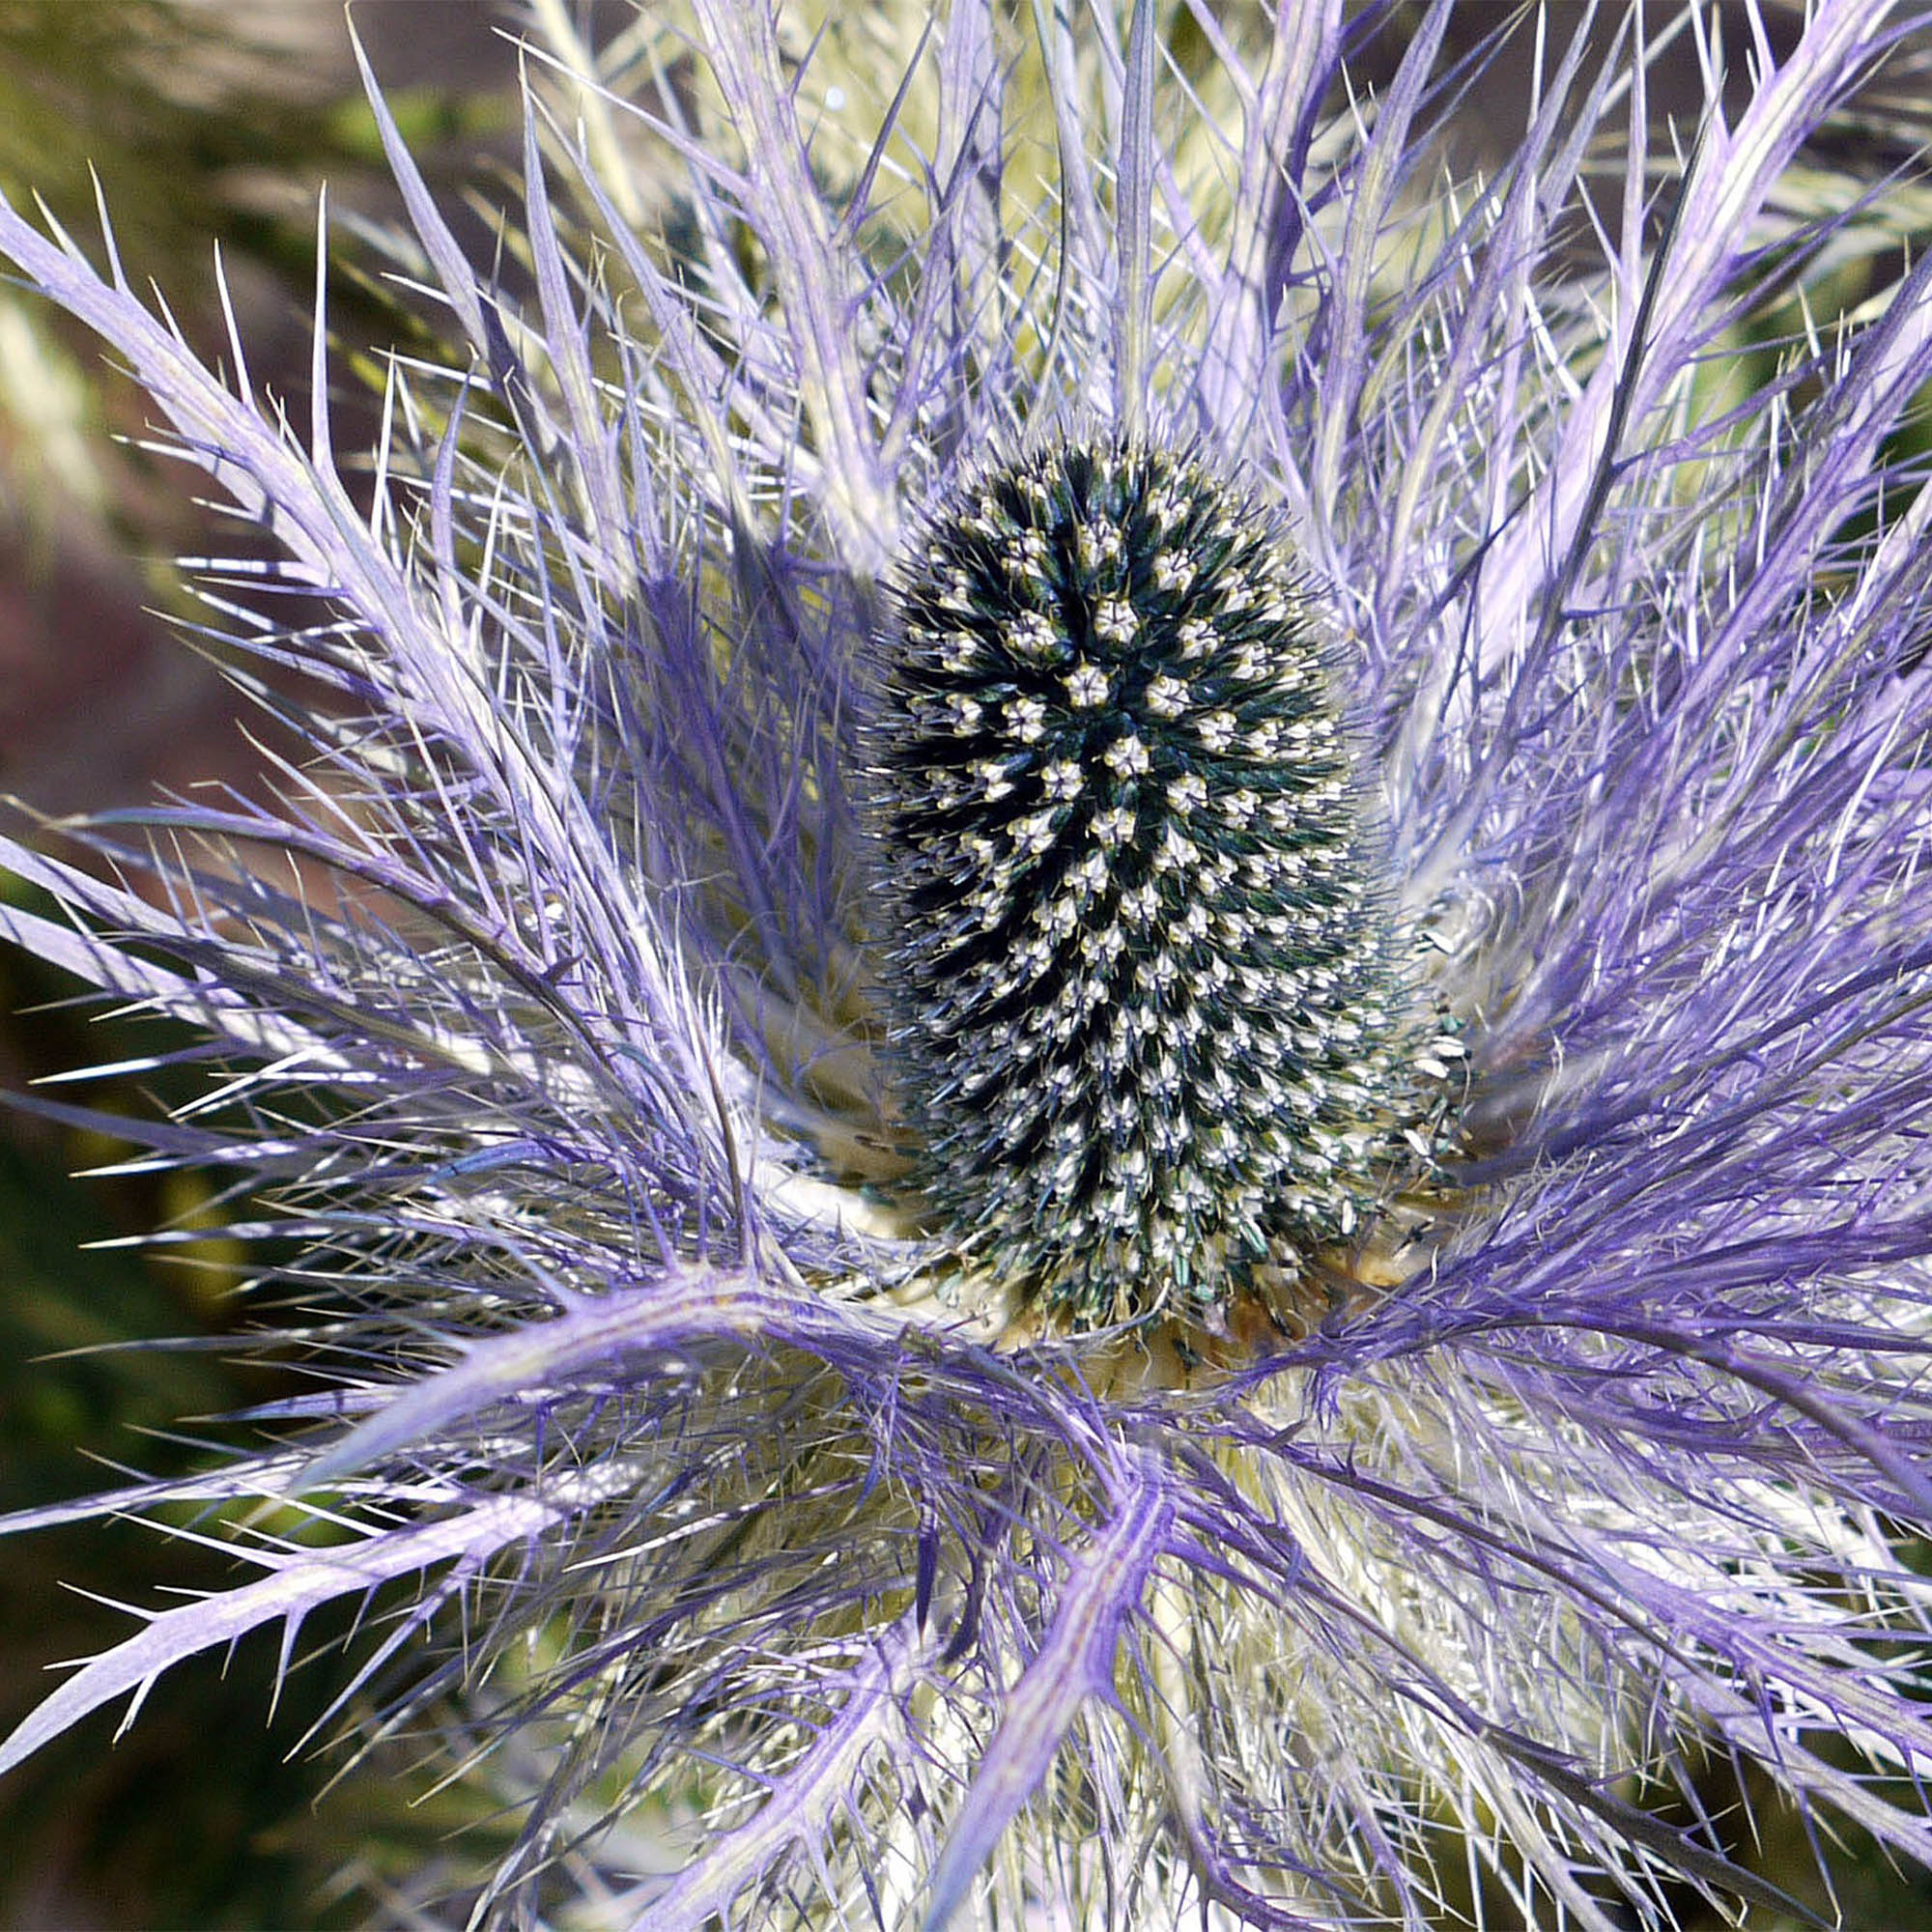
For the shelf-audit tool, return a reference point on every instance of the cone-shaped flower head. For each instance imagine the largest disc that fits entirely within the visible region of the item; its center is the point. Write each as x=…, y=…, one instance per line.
x=1087, y=1066
x=1135, y=940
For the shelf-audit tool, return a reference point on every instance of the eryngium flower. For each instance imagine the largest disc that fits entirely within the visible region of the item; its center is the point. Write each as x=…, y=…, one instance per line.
x=766, y=1564
x=1132, y=932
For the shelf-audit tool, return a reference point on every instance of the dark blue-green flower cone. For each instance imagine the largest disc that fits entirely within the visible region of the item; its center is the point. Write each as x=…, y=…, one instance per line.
x=1144, y=986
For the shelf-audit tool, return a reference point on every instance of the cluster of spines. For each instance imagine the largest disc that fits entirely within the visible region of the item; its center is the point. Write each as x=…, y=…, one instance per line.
x=1144, y=996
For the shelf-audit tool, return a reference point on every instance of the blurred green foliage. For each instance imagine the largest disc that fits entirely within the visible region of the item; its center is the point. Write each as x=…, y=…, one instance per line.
x=120, y=1836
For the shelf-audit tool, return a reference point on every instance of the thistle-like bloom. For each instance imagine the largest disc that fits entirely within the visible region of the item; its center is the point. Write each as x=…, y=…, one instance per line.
x=1132, y=939
x=1460, y=1385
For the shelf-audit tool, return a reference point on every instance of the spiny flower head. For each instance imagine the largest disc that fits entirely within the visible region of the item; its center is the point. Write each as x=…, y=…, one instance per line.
x=764, y=1541
x=1136, y=944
